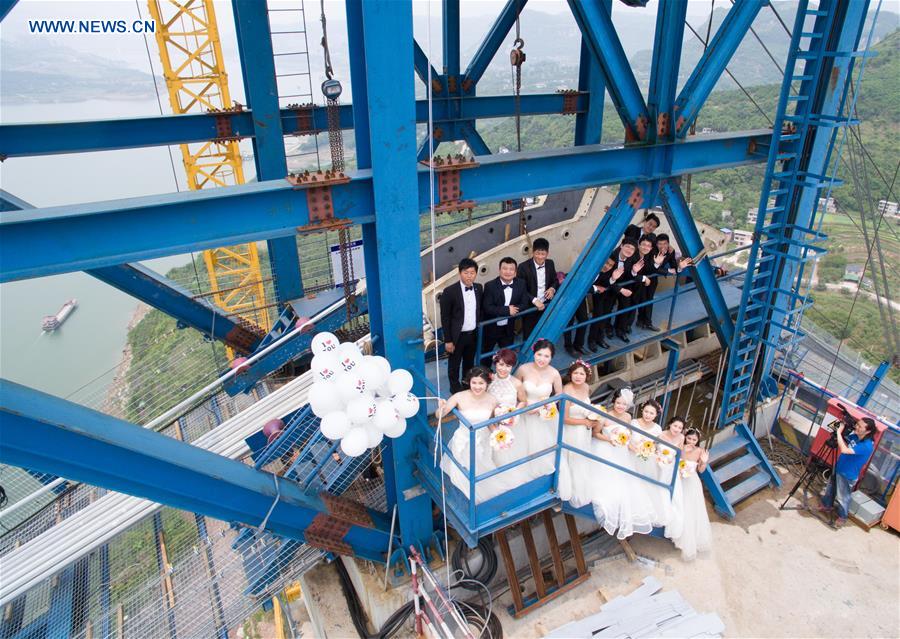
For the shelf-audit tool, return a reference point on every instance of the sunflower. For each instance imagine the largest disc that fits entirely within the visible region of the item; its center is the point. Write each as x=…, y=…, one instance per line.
x=502, y=438
x=622, y=437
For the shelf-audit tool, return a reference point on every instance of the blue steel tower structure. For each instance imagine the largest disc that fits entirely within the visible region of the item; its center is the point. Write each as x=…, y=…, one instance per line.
x=386, y=195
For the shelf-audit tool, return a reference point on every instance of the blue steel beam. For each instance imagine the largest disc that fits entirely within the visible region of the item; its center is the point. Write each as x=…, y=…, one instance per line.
x=688, y=238
x=251, y=20
x=589, y=123
x=53, y=435
x=599, y=33
x=473, y=138
x=388, y=30
x=713, y=62
x=493, y=40
x=873, y=383
x=631, y=198
x=47, y=138
x=160, y=292
x=49, y=241
x=450, y=20
x=6, y=6
x=422, y=67
x=670, y=19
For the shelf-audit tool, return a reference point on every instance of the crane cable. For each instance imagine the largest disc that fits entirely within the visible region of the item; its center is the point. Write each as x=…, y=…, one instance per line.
x=516, y=60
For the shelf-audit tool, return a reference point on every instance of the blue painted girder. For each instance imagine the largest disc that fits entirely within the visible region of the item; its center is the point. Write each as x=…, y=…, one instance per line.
x=162, y=293
x=251, y=20
x=493, y=40
x=713, y=62
x=18, y=140
x=688, y=238
x=49, y=241
x=46, y=433
x=601, y=38
x=631, y=198
x=388, y=44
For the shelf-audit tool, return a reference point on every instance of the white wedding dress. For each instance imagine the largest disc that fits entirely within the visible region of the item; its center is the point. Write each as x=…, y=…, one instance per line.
x=574, y=469
x=696, y=533
x=659, y=496
x=541, y=432
x=620, y=501
x=484, y=462
x=505, y=392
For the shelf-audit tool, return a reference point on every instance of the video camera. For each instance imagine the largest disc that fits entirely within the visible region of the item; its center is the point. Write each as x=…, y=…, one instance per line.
x=846, y=418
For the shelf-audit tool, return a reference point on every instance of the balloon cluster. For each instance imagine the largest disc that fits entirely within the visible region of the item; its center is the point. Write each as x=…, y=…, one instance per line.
x=358, y=398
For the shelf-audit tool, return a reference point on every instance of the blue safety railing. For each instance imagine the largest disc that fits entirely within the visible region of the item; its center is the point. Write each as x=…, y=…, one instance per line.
x=677, y=289
x=473, y=518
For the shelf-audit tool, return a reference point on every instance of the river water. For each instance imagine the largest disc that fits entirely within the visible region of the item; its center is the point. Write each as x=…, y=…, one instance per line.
x=89, y=345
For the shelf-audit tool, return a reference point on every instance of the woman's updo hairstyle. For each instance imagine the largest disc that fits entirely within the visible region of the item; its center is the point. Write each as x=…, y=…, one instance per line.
x=477, y=371
x=541, y=344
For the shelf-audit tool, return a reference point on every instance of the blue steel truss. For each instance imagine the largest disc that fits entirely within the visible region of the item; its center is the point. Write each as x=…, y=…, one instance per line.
x=386, y=195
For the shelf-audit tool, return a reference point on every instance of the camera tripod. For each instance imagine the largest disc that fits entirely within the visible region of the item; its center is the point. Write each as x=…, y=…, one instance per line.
x=816, y=464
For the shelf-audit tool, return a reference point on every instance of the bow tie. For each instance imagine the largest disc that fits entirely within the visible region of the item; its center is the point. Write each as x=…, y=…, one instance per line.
x=539, y=267
x=468, y=288
x=505, y=286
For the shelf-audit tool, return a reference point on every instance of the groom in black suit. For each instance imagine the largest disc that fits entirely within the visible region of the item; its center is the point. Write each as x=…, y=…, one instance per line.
x=460, y=313
x=539, y=275
x=504, y=297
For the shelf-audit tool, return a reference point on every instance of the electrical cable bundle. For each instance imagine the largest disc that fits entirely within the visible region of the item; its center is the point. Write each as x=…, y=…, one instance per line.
x=486, y=572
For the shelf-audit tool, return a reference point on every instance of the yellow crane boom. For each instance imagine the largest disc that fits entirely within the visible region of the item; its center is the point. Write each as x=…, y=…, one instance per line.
x=188, y=40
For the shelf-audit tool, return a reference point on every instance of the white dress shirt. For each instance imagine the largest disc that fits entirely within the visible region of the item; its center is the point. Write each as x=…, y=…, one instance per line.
x=541, y=271
x=507, y=298
x=469, y=317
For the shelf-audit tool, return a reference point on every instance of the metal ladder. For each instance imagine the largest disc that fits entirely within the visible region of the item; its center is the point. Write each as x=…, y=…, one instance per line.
x=293, y=77
x=770, y=312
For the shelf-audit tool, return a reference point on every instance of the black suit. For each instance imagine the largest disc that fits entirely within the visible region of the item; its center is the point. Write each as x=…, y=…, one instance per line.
x=494, y=305
x=645, y=313
x=626, y=282
x=528, y=273
x=453, y=311
x=602, y=304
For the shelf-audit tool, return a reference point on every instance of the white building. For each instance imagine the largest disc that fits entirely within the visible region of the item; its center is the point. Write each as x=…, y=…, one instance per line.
x=888, y=208
x=726, y=214
x=742, y=238
x=752, y=215
x=828, y=205
x=717, y=197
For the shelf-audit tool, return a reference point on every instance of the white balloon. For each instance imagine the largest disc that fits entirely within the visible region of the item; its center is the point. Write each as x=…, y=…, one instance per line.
x=324, y=342
x=324, y=399
x=354, y=443
x=351, y=386
x=406, y=405
x=400, y=381
x=361, y=409
x=375, y=436
x=397, y=429
x=325, y=367
x=335, y=425
x=383, y=391
x=382, y=362
x=385, y=414
x=349, y=357
x=372, y=372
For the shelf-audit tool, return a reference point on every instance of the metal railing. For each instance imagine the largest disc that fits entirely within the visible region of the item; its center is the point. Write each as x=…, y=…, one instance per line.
x=672, y=295
x=562, y=399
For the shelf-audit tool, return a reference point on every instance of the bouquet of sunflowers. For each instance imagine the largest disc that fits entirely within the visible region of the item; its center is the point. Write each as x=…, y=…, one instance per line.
x=683, y=468
x=645, y=449
x=665, y=456
x=549, y=411
x=501, y=438
x=620, y=436
x=504, y=409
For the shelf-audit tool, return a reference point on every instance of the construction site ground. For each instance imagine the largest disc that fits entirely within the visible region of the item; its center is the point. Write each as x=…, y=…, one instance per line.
x=771, y=573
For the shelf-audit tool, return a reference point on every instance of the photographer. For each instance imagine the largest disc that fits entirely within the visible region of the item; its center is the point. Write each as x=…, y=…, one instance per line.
x=853, y=453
